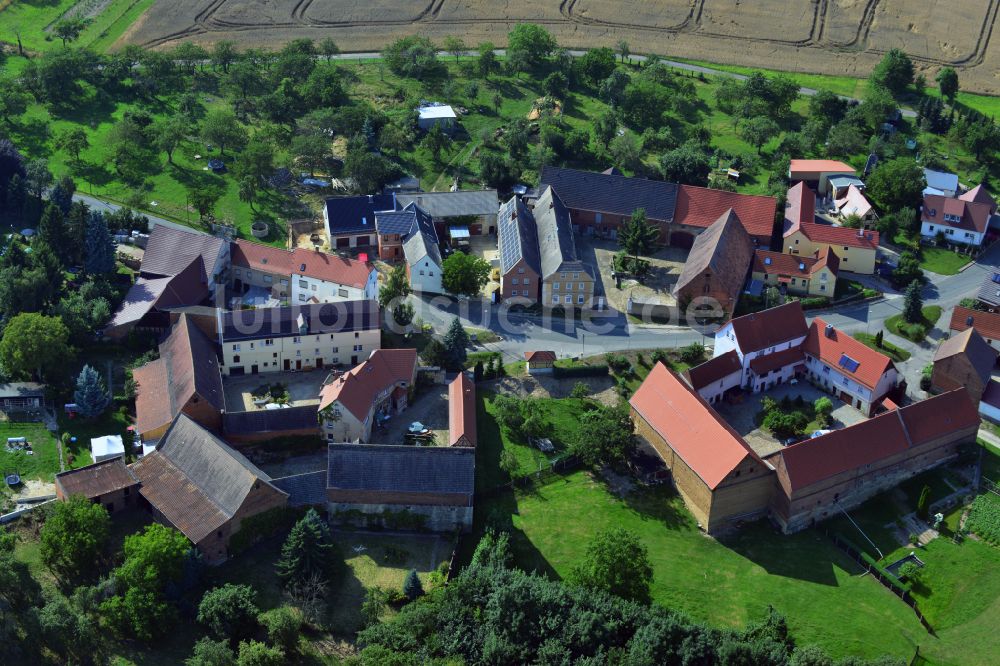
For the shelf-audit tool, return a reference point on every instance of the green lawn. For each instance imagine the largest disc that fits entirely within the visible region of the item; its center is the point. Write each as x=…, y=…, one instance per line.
x=29, y=19
x=941, y=261
x=917, y=331
x=897, y=354
x=44, y=462
x=724, y=583
x=112, y=423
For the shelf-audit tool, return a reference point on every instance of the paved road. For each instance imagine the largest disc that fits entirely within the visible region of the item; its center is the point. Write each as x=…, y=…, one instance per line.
x=688, y=67
x=100, y=204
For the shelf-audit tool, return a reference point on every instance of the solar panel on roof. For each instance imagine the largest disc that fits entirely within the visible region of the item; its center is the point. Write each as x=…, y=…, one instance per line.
x=996, y=278
x=849, y=363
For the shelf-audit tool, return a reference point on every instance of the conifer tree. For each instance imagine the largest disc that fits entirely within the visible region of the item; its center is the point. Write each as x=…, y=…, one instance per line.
x=412, y=587
x=100, y=246
x=455, y=342
x=91, y=396
x=308, y=550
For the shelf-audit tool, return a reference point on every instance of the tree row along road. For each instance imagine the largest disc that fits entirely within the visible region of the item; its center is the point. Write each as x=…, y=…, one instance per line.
x=688, y=67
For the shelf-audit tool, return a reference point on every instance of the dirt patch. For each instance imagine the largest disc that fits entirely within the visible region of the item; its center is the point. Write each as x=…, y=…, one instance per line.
x=837, y=37
x=602, y=389
x=665, y=268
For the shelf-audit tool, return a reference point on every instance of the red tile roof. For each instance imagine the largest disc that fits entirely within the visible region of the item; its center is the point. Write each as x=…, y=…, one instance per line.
x=800, y=207
x=783, y=264
x=700, y=207
x=830, y=348
x=818, y=166
x=300, y=261
x=986, y=323
x=358, y=388
x=706, y=443
x=881, y=437
x=461, y=410
x=973, y=215
x=979, y=194
x=713, y=370
x=760, y=330
x=830, y=235
x=762, y=365
x=152, y=396
x=540, y=356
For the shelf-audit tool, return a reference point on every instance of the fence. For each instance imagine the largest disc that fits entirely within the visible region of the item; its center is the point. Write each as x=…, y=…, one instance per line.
x=555, y=467
x=887, y=580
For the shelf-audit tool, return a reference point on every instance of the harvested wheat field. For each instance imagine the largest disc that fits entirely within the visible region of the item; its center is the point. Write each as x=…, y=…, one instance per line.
x=844, y=37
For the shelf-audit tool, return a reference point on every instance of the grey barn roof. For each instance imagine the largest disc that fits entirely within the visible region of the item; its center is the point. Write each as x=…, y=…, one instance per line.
x=555, y=236
x=989, y=291
x=402, y=469
x=422, y=244
x=308, y=489
x=270, y=420
x=454, y=204
x=344, y=316
x=170, y=250
x=612, y=193
x=517, y=236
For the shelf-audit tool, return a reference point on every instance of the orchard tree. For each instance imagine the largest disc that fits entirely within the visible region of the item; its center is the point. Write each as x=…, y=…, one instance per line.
x=896, y=184
x=530, y=43
x=221, y=128
x=73, y=537
x=248, y=190
x=455, y=46
x=464, y=274
x=168, y=135
x=68, y=30
x=947, y=80
x=605, y=437
x=73, y=140
x=757, y=131
x=35, y=346
x=91, y=395
x=894, y=71
x=413, y=56
x=617, y=562
x=487, y=62
x=328, y=48
x=877, y=106
x=208, y=652
x=687, y=164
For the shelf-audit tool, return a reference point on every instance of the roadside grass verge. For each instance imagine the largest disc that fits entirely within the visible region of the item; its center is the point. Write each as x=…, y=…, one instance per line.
x=916, y=331
x=897, y=354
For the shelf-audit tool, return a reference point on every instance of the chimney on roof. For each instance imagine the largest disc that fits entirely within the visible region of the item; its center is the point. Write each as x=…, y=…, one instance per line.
x=828, y=331
x=968, y=320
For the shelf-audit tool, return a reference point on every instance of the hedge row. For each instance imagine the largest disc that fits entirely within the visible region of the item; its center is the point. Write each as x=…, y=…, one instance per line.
x=580, y=371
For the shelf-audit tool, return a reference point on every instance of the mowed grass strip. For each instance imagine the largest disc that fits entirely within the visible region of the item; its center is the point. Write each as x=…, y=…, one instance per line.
x=724, y=583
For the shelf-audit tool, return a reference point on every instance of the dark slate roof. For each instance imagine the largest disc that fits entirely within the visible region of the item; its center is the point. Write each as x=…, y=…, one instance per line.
x=280, y=322
x=356, y=214
x=395, y=221
x=307, y=489
x=517, y=236
x=555, y=236
x=422, y=244
x=989, y=291
x=170, y=250
x=402, y=469
x=270, y=420
x=425, y=223
x=453, y=204
x=611, y=193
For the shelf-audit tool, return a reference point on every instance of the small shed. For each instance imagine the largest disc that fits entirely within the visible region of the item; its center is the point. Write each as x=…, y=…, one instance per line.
x=17, y=396
x=436, y=115
x=539, y=362
x=106, y=447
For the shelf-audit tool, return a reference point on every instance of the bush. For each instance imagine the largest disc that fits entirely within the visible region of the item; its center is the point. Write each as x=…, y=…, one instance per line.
x=580, y=390
x=580, y=371
x=618, y=364
x=784, y=426
x=283, y=625
x=814, y=302
x=229, y=611
x=909, y=572
x=693, y=354
x=660, y=356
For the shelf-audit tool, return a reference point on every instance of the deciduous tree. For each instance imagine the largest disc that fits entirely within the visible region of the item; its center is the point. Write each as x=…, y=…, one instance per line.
x=617, y=562
x=896, y=184
x=35, y=346
x=464, y=274
x=73, y=140
x=221, y=128
x=947, y=80
x=73, y=536
x=894, y=71
x=229, y=611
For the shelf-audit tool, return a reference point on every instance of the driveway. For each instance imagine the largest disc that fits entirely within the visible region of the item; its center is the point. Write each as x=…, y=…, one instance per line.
x=430, y=407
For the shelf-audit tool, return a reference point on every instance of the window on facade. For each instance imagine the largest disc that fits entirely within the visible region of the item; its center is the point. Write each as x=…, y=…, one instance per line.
x=335, y=349
x=298, y=353
x=581, y=287
x=513, y=281
x=302, y=297
x=562, y=276
x=598, y=217
x=822, y=287
x=274, y=354
x=356, y=335
x=576, y=276
x=303, y=284
x=579, y=299
x=342, y=293
x=313, y=287
x=555, y=298
x=296, y=339
x=358, y=347
x=236, y=347
x=421, y=272
x=236, y=359
x=268, y=279
x=569, y=298
x=527, y=280
x=569, y=286
x=269, y=342
x=555, y=286
x=430, y=274
x=284, y=282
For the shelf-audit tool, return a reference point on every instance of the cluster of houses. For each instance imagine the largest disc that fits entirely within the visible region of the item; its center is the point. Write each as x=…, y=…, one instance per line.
x=724, y=481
